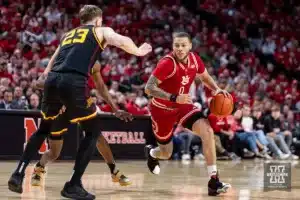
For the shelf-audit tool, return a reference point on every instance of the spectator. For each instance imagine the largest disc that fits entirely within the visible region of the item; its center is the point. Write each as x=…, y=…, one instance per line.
x=34, y=102
x=247, y=123
x=259, y=127
x=132, y=107
x=249, y=140
x=186, y=137
x=19, y=99
x=272, y=128
x=7, y=102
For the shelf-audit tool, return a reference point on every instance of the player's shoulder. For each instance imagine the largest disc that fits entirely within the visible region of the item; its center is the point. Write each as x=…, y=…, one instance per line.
x=167, y=59
x=194, y=54
x=104, y=29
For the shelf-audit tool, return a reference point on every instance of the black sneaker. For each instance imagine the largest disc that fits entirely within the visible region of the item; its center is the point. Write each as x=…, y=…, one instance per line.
x=215, y=187
x=152, y=163
x=15, y=183
x=76, y=192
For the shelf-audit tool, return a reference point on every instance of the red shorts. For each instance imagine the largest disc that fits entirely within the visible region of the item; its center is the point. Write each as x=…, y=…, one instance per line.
x=164, y=118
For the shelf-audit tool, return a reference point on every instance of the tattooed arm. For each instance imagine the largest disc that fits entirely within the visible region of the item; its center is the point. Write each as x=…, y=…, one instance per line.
x=153, y=90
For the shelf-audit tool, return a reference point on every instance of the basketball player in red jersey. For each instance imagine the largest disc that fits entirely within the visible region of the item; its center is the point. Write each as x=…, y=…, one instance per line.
x=171, y=104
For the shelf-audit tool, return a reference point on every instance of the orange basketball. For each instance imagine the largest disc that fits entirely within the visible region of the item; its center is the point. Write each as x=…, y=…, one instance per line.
x=221, y=105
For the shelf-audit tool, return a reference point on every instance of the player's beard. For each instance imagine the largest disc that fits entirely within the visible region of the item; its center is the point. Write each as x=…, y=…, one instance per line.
x=182, y=60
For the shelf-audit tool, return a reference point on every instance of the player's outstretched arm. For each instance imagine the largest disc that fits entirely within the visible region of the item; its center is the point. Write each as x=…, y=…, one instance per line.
x=101, y=87
x=51, y=62
x=209, y=82
x=41, y=80
x=112, y=38
x=103, y=92
x=153, y=90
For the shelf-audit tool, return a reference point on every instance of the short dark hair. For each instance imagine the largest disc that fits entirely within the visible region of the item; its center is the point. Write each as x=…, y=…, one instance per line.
x=89, y=12
x=7, y=91
x=275, y=108
x=181, y=35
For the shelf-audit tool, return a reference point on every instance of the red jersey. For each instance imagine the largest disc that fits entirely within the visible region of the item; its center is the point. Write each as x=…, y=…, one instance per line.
x=175, y=77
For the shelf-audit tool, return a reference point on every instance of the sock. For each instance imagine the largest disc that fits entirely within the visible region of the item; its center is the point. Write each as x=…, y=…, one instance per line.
x=112, y=167
x=84, y=155
x=212, y=170
x=33, y=145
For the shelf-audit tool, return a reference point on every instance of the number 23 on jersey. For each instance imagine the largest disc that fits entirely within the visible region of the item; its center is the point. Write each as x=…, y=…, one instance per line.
x=75, y=36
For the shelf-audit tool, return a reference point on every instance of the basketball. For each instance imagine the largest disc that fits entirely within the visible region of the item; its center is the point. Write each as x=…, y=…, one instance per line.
x=221, y=105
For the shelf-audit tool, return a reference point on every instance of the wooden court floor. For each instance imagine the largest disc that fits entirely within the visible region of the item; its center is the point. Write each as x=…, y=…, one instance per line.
x=177, y=181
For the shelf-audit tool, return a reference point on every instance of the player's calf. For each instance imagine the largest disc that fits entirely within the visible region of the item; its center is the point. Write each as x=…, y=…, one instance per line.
x=202, y=128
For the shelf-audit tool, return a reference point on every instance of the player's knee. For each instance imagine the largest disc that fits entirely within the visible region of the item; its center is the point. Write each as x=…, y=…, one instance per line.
x=202, y=128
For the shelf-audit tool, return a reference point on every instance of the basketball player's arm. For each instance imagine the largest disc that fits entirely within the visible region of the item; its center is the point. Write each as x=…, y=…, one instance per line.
x=51, y=62
x=103, y=91
x=41, y=80
x=101, y=87
x=153, y=90
x=208, y=81
x=110, y=37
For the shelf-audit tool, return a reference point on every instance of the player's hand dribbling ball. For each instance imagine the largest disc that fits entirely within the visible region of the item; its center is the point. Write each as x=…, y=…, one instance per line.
x=221, y=105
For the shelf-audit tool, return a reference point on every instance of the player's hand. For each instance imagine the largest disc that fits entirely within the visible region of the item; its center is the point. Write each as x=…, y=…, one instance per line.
x=41, y=81
x=144, y=49
x=184, y=99
x=220, y=91
x=121, y=114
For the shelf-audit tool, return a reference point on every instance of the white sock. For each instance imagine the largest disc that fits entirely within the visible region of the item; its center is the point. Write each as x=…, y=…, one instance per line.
x=212, y=170
x=152, y=153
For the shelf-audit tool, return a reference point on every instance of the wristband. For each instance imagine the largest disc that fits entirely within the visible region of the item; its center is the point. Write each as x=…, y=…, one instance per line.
x=173, y=97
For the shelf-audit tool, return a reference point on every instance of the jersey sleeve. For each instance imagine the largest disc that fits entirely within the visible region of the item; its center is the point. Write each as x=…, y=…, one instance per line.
x=164, y=69
x=201, y=66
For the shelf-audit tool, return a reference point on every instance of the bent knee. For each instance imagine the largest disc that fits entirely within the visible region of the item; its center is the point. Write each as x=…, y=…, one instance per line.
x=203, y=127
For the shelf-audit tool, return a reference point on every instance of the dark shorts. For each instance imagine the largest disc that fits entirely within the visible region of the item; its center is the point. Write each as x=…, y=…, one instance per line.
x=70, y=90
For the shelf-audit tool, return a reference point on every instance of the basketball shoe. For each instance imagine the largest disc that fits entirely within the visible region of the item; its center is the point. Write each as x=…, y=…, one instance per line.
x=215, y=187
x=76, y=192
x=37, y=175
x=121, y=178
x=152, y=163
x=15, y=183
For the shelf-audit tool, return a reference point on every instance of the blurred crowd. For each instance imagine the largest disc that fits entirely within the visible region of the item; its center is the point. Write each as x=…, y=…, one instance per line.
x=250, y=47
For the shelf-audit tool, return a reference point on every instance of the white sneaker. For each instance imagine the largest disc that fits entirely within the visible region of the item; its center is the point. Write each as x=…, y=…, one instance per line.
x=267, y=156
x=295, y=157
x=186, y=157
x=199, y=157
x=284, y=156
